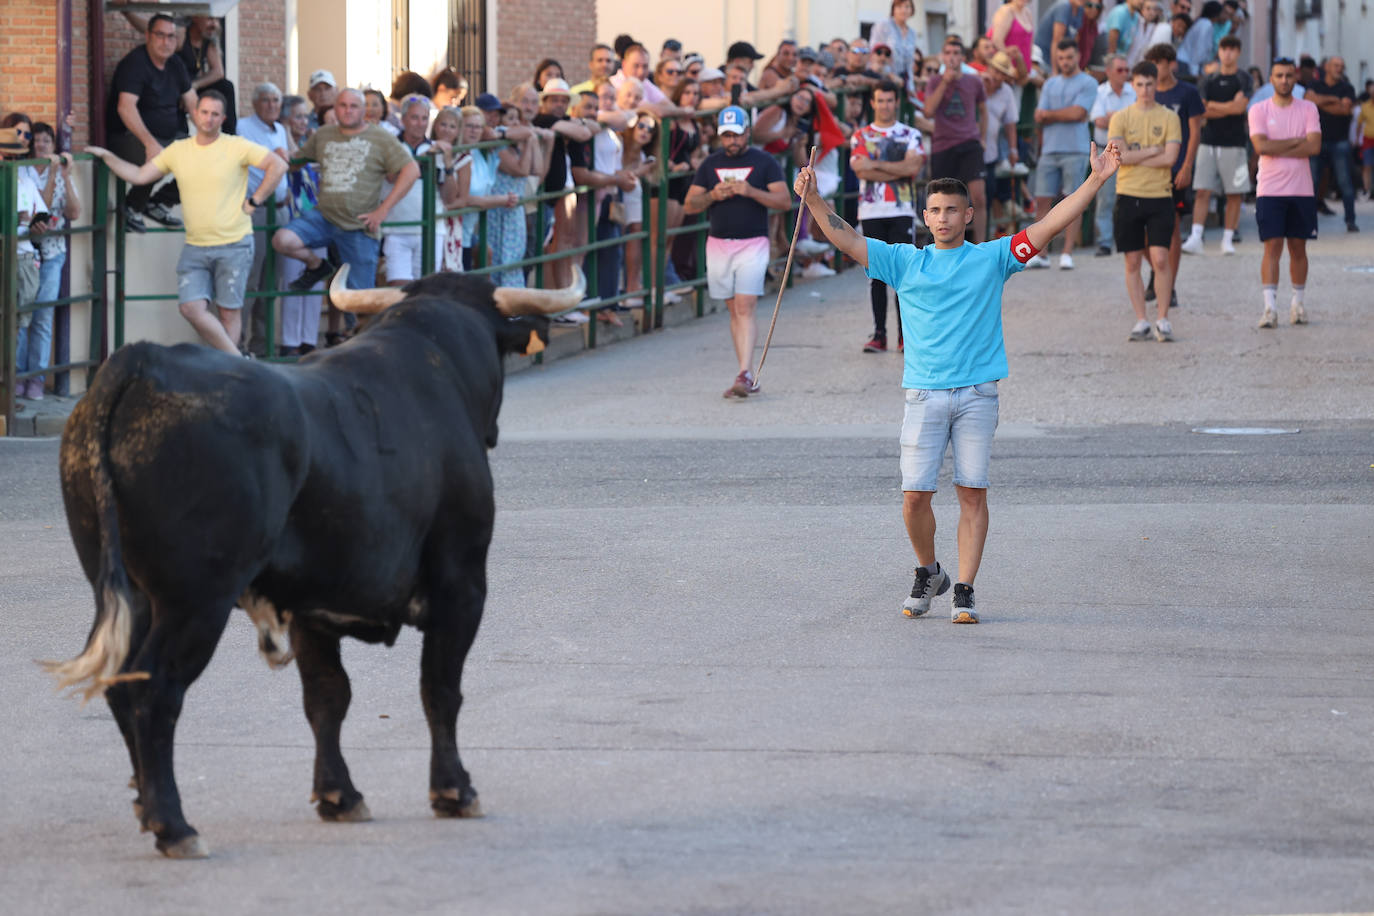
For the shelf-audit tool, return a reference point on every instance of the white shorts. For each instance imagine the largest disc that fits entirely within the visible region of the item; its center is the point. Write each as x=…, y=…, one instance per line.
x=1222, y=169
x=403, y=257
x=736, y=266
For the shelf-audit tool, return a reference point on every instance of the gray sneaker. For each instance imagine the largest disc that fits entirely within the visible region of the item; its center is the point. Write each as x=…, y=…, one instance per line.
x=961, y=605
x=926, y=586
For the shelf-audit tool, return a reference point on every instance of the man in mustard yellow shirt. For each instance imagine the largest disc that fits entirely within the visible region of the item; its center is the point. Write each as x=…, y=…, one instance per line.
x=212, y=170
x=1149, y=136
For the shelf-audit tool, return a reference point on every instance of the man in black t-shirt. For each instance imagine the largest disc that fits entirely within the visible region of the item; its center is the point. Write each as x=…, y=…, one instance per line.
x=737, y=187
x=1335, y=101
x=150, y=88
x=1223, y=162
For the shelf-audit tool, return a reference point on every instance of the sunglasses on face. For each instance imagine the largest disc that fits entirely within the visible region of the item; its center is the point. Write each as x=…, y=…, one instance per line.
x=883, y=53
x=857, y=50
x=1093, y=6
x=672, y=71
x=23, y=133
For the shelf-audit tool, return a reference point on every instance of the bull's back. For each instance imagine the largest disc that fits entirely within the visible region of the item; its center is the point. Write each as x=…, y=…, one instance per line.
x=205, y=455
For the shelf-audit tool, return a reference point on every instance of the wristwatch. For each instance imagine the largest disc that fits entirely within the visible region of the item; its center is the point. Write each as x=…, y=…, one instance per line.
x=500, y=130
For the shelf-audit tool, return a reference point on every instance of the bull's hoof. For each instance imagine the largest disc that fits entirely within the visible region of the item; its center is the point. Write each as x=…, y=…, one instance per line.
x=455, y=802
x=188, y=847
x=138, y=813
x=340, y=812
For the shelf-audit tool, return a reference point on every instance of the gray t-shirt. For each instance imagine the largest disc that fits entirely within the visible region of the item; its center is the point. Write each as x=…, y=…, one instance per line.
x=352, y=170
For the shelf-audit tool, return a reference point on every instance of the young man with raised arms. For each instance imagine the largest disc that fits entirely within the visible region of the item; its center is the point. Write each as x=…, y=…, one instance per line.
x=950, y=305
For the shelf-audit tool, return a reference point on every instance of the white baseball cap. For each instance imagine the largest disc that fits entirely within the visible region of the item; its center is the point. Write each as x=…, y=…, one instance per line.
x=556, y=86
x=322, y=76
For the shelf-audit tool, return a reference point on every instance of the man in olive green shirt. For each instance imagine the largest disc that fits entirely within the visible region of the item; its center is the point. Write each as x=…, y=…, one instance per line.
x=354, y=159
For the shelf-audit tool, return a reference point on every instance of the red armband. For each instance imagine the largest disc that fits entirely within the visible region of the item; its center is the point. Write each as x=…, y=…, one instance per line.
x=1021, y=247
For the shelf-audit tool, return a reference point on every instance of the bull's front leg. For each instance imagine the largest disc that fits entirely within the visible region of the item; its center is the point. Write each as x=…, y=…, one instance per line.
x=451, y=629
x=327, y=693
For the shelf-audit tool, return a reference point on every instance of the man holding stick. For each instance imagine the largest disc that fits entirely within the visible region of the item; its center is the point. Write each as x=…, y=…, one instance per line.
x=950, y=305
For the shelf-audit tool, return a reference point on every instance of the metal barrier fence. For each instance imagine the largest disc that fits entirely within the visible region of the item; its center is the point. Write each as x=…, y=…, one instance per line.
x=655, y=240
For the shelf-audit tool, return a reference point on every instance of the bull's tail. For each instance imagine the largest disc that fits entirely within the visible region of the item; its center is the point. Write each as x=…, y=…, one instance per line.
x=112, y=634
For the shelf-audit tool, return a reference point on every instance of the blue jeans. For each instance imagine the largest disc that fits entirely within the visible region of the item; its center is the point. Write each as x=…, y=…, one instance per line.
x=1338, y=156
x=936, y=418
x=1106, y=206
x=34, y=349
x=358, y=249
x=608, y=259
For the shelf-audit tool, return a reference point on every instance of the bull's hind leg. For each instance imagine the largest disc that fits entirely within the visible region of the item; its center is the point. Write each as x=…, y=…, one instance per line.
x=454, y=614
x=324, y=683
x=177, y=649
x=117, y=695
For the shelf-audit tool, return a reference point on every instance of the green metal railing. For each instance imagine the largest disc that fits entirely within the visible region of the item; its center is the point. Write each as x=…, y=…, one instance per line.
x=10, y=311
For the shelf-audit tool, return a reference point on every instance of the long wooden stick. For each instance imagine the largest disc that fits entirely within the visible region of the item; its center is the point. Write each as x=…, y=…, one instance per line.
x=782, y=285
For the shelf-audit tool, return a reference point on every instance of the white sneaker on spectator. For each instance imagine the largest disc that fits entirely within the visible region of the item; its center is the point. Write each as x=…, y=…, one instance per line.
x=1228, y=247
x=1066, y=261
x=1192, y=244
x=812, y=247
x=1164, y=331
x=817, y=269
x=1039, y=262
x=572, y=318
x=1296, y=314
x=1141, y=331
x=669, y=297
x=1270, y=319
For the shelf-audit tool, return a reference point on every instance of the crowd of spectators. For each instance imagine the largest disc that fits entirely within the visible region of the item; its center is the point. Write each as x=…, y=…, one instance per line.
x=1009, y=112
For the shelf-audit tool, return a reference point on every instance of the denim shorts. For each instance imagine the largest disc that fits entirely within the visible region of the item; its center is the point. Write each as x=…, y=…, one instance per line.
x=358, y=249
x=934, y=419
x=1060, y=173
x=215, y=273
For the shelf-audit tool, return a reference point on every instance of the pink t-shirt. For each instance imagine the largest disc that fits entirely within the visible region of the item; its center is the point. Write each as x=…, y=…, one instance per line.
x=1284, y=176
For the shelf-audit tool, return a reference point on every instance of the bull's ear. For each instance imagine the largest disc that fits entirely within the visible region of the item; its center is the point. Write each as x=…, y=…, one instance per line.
x=535, y=345
x=526, y=335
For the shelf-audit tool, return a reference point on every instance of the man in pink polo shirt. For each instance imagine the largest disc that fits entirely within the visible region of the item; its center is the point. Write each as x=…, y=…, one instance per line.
x=1285, y=132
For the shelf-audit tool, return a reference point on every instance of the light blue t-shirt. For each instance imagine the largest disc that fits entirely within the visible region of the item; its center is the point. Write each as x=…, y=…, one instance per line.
x=273, y=137
x=951, y=309
x=1124, y=21
x=1061, y=92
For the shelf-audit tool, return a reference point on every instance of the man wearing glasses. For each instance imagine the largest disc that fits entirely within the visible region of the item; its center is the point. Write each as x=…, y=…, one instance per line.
x=150, y=88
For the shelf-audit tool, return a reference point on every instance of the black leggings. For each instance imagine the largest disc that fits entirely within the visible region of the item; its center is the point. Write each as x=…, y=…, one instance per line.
x=893, y=230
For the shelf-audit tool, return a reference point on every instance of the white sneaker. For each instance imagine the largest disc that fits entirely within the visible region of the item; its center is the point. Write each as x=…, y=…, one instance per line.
x=812, y=247
x=1066, y=261
x=817, y=269
x=1164, y=332
x=571, y=318
x=1039, y=262
x=1297, y=314
x=670, y=297
x=1141, y=331
x=1020, y=169
x=1228, y=247
x=1002, y=169
x=1192, y=244
x=1270, y=319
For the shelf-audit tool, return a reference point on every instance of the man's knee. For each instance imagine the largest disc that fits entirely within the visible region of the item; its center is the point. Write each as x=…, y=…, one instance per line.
x=193, y=309
x=917, y=500
x=284, y=240
x=971, y=497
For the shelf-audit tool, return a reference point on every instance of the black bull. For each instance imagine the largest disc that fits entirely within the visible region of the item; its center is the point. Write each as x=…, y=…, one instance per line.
x=345, y=496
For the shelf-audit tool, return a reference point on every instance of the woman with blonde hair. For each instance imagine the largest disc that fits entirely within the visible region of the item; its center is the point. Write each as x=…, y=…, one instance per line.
x=639, y=144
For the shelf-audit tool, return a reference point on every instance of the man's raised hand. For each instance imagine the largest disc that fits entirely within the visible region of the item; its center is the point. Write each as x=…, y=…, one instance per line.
x=1105, y=164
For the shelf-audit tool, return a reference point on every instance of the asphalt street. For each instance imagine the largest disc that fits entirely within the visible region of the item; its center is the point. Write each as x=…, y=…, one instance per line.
x=694, y=691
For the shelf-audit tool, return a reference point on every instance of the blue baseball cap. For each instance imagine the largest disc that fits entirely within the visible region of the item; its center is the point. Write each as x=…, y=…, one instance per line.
x=732, y=120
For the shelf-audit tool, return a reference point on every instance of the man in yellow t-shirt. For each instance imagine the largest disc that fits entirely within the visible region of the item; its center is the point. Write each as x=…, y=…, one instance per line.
x=212, y=170
x=1149, y=136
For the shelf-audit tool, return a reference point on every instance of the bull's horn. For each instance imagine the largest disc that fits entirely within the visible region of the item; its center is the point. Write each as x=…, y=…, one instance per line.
x=513, y=300
x=360, y=301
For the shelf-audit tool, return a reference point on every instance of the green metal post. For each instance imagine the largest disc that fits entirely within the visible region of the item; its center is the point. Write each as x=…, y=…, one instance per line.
x=9, y=282
x=539, y=243
x=427, y=215
x=661, y=245
x=480, y=260
x=269, y=276
x=590, y=271
x=646, y=267
x=701, y=265
x=100, y=238
x=120, y=191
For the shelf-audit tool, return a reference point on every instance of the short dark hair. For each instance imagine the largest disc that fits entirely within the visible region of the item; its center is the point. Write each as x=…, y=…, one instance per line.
x=448, y=78
x=622, y=41
x=1187, y=20
x=160, y=17
x=1230, y=41
x=213, y=95
x=884, y=86
x=599, y=47
x=947, y=186
x=1161, y=51
x=1145, y=68
x=1211, y=10
x=1067, y=44
x=408, y=82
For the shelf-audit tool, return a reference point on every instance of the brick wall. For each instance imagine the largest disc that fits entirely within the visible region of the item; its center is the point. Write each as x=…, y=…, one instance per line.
x=527, y=31
x=28, y=61
x=262, y=48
